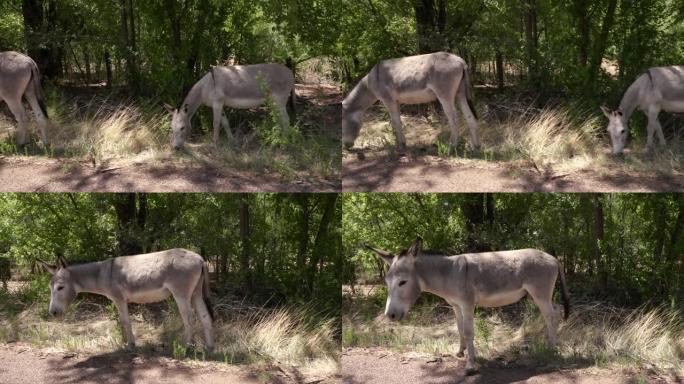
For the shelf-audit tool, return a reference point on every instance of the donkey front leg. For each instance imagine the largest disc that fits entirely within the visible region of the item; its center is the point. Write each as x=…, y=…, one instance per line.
x=226, y=126
x=459, y=325
x=122, y=308
x=654, y=127
x=469, y=335
x=218, y=117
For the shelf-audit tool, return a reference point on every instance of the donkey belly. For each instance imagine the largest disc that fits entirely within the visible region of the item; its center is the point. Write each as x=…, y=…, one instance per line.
x=676, y=106
x=499, y=299
x=242, y=103
x=149, y=296
x=416, y=97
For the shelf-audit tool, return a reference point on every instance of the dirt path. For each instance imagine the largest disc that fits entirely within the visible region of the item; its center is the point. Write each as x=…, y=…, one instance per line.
x=377, y=366
x=37, y=175
x=433, y=174
x=21, y=364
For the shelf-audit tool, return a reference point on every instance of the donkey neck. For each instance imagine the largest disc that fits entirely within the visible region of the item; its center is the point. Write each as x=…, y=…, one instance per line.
x=92, y=277
x=360, y=98
x=433, y=274
x=630, y=100
x=194, y=98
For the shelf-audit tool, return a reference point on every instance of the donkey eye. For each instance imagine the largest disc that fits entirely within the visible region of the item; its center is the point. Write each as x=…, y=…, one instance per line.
x=402, y=282
x=60, y=288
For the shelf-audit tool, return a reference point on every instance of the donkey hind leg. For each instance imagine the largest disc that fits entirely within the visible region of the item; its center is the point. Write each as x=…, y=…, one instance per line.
x=19, y=113
x=41, y=119
x=281, y=107
x=452, y=117
x=469, y=335
x=459, y=325
x=395, y=121
x=549, y=314
x=205, y=318
x=185, y=310
x=470, y=120
x=217, y=110
x=122, y=308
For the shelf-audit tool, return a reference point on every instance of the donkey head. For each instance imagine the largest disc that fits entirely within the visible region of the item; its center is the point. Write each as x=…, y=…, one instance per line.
x=403, y=287
x=351, y=125
x=180, y=125
x=62, y=289
x=617, y=128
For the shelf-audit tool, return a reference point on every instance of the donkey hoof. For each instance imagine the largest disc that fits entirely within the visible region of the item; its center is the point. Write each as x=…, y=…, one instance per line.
x=469, y=371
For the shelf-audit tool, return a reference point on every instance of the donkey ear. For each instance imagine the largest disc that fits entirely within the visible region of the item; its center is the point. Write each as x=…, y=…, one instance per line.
x=61, y=261
x=48, y=267
x=606, y=111
x=387, y=256
x=169, y=108
x=417, y=245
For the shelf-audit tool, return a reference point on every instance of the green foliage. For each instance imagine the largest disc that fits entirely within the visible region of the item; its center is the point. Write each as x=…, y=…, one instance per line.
x=294, y=240
x=622, y=247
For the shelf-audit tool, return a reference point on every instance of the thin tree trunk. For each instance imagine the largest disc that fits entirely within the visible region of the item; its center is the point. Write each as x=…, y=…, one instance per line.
x=500, y=81
x=245, y=242
x=601, y=43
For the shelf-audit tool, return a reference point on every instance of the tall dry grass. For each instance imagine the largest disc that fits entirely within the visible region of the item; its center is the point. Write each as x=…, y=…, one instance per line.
x=286, y=336
x=553, y=138
x=594, y=334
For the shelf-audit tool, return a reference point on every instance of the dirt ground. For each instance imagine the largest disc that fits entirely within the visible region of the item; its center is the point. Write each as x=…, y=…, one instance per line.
x=24, y=174
x=378, y=366
x=23, y=364
x=424, y=173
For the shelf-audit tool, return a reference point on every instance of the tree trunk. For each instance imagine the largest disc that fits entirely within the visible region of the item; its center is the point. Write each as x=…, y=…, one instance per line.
x=108, y=67
x=601, y=44
x=127, y=46
x=531, y=39
x=428, y=36
x=318, y=252
x=130, y=222
x=500, y=81
x=245, y=242
x=303, y=202
x=581, y=11
x=599, y=220
x=40, y=22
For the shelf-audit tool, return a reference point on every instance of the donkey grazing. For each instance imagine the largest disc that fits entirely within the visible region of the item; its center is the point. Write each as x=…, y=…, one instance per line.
x=491, y=279
x=412, y=80
x=145, y=278
x=658, y=89
x=239, y=86
x=19, y=77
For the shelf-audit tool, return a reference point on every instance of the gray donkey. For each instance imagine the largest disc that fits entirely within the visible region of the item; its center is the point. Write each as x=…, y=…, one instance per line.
x=145, y=278
x=658, y=89
x=412, y=80
x=490, y=279
x=19, y=77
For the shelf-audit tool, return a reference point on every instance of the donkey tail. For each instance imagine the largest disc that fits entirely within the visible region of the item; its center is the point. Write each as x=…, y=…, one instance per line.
x=468, y=87
x=565, y=295
x=37, y=88
x=206, y=293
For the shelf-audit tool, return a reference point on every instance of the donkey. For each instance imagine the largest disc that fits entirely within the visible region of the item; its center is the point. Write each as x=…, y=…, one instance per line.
x=490, y=279
x=658, y=89
x=146, y=278
x=19, y=77
x=412, y=80
x=239, y=86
